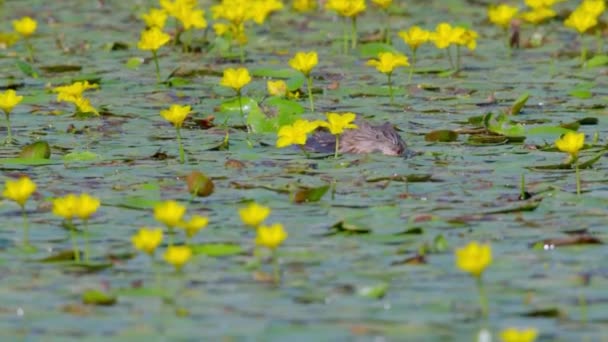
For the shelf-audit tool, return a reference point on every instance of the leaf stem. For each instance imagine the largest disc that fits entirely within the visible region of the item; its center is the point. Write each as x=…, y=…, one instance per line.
x=155, y=56
x=578, y=180
x=353, y=33
x=30, y=50
x=9, y=138
x=413, y=65
x=86, y=241
x=337, y=146
x=182, y=155
x=583, y=50
x=390, y=88
x=74, y=241
x=26, y=237
x=310, y=98
x=483, y=299
x=276, y=266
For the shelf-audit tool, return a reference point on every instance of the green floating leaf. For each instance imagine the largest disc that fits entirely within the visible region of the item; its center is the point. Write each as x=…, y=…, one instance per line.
x=413, y=178
x=500, y=124
x=56, y=69
x=440, y=244
x=574, y=240
x=371, y=50
x=519, y=104
x=27, y=69
x=217, y=249
x=589, y=121
x=588, y=163
x=81, y=156
x=274, y=72
x=582, y=90
x=310, y=194
x=280, y=112
x=37, y=150
x=28, y=161
x=484, y=139
x=597, y=61
x=443, y=135
x=61, y=256
x=581, y=93
x=142, y=292
x=96, y=297
x=347, y=228
x=526, y=206
x=573, y=126
x=547, y=130
x=374, y=292
x=546, y=312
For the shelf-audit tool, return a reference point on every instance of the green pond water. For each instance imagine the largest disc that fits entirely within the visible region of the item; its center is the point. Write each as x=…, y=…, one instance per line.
x=363, y=280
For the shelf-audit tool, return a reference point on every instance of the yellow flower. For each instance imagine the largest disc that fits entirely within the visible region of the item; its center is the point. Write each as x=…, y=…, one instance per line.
x=270, y=236
x=25, y=26
x=169, y=213
x=65, y=206
x=174, y=7
x=304, y=62
x=337, y=123
x=235, y=78
x=465, y=37
x=235, y=11
x=541, y=3
x=19, y=190
x=83, y=105
x=474, y=258
x=8, y=100
x=277, y=88
x=147, y=239
x=516, y=335
x=195, y=224
x=388, y=61
x=254, y=214
x=414, y=37
x=296, y=133
x=263, y=8
x=85, y=206
x=176, y=114
x=70, y=93
x=346, y=8
x=191, y=18
x=153, y=39
x=571, y=143
x=502, y=14
x=178, y=256
x=155, y=18
x=581, y=20
x=538, y=15
x=304, y=5
x=383, y=3
x=443, y=35
x=595, y=7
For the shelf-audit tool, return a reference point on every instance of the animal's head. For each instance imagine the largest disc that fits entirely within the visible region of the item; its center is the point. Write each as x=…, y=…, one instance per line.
x=369, y=139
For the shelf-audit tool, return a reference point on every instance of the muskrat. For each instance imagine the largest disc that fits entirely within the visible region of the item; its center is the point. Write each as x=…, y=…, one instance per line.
x=365, y=139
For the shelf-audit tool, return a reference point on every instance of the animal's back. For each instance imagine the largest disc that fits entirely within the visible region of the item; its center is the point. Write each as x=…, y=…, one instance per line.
x=365, y=139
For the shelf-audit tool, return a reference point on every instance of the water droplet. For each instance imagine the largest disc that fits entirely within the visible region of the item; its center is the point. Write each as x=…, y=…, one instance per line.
x=20, y=312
